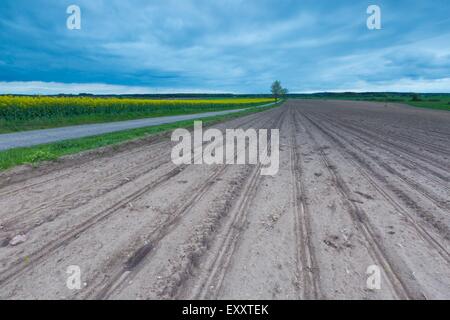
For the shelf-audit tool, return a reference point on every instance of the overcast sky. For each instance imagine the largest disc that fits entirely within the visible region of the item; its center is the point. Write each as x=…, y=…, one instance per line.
x=241, y=46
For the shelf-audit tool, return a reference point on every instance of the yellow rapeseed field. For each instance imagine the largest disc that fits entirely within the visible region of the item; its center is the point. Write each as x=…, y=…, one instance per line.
x=13, y=108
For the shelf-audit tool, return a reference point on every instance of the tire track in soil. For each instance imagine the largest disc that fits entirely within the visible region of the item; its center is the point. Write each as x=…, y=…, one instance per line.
x=209, y=284
x=403, y=287
x=307, y=266
x=407, y=140
x=34, y=258
x=126, y=271
x=414, y=185
x=368, y=173
x=438, y=178
x=223, y=257
x=437, y=150
x=74, y=162
x=436, y=163
x=13, y=223
x=134, y=263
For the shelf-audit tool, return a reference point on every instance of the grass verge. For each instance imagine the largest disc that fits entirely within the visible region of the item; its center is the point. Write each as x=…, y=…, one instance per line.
x=436, y=104
x=430, y=104
x=52, y=151
x=434, y=101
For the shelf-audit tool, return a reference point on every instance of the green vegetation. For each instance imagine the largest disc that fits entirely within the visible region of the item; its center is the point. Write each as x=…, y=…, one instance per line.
x=53, y=151
x=18, y=113
x=277, y=90
x=425, y=100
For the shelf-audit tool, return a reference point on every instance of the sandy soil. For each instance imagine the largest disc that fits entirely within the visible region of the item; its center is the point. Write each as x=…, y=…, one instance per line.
x=360, y=184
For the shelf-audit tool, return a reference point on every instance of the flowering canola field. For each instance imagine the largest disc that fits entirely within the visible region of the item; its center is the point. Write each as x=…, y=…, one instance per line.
x=20, y=108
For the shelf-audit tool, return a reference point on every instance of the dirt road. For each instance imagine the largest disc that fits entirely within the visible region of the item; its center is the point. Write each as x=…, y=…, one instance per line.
x=359, y=185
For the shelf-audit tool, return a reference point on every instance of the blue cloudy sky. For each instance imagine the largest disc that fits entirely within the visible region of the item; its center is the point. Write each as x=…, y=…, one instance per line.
x=241, y=46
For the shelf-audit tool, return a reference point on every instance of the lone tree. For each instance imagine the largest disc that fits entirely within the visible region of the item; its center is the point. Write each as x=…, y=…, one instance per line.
x=277, y=90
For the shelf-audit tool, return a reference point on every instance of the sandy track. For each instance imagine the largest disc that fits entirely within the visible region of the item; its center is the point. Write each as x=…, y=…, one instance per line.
x=359, y=184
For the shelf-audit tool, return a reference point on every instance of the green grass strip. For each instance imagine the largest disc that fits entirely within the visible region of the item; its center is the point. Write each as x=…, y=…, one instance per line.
x=52, y=151
x=436, y=103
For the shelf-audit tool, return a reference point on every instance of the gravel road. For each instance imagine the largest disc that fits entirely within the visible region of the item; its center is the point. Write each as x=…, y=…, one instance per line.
x=359, y=185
